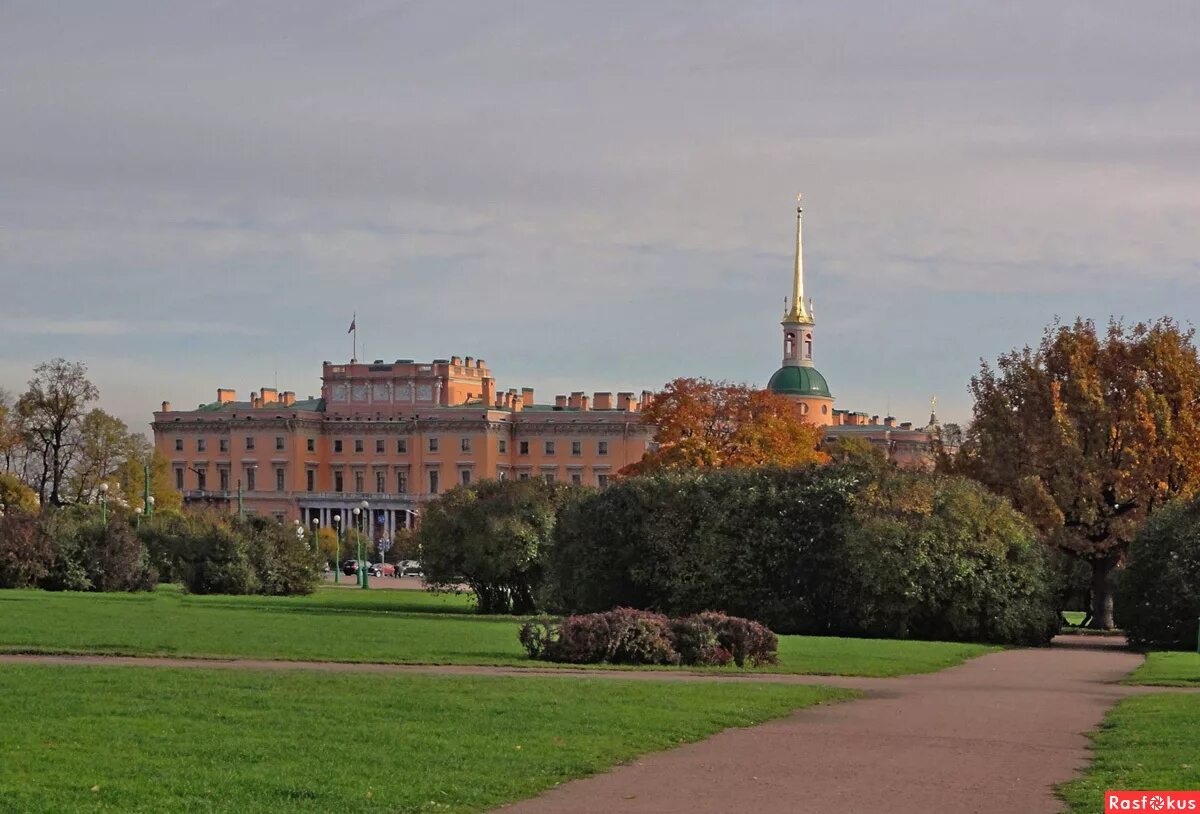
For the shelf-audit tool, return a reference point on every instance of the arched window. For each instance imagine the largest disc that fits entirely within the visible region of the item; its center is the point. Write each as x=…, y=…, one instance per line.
x=788, y=345
x=803, y=409
x=808, y=346
x=824, y=409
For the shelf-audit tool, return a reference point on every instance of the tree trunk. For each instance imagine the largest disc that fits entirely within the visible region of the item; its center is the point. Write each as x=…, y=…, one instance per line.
x=1102, y=598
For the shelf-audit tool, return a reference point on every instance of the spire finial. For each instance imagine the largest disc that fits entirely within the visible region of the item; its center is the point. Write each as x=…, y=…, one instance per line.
x=797, y=311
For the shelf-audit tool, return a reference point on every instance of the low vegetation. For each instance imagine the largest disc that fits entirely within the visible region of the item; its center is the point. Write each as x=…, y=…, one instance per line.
x=1148, y=742
x=628, y=636
x=399, y=627
x=138, y=739
x=1168, y=669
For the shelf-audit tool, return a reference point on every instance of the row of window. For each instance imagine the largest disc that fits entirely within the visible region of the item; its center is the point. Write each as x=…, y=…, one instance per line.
x=464, y=445
x=339, y=482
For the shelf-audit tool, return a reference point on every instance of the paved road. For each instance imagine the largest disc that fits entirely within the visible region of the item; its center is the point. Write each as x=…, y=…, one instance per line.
x=992, y=736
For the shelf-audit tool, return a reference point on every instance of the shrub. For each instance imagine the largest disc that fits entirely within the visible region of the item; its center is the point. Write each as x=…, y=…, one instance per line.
x=90, y=555
x=834, y=550
x=629, y=636
x=1158, y=591
x=285, y=564
x=26, y=554
x=492, y=535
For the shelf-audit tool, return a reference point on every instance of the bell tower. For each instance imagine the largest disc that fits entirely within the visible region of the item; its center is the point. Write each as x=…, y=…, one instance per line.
x=797, y=378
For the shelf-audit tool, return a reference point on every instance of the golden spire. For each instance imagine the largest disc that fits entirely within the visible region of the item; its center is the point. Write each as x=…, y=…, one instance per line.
x=797, y=312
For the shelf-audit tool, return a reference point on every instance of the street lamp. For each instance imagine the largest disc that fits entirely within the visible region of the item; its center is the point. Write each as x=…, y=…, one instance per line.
x=104, y=504
x=138, y=517
x=337, y=548
x=316, y=524
x=362, y=536
x=150, y=506
x=147, y=500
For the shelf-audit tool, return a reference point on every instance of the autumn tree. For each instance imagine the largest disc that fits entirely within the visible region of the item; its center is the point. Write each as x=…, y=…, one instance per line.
x=10, y=432
x=1088, y=434
x=702, y=424
x=131, y=475
x=51, y=411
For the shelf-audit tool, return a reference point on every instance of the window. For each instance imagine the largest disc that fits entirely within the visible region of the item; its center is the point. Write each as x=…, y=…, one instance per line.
x=549, y=447
x=337, y=445
x=576, y=478
x=179, y=478
x=503, y=446
x=602, y=481
x=401, y=446
x=358, y=481
x=312, y=444
x=279, y=478
x=311, y=478
x=464, y=444
x=433, y=446
x=223, y=445
x=576, y=447
x=523, y=476
x=379, y=448
x=223, y=476
x=524, y=448
x=548, y=477
x=380, y=481
x=433, y=481
x=465, y=476
x=358, y=445
x=338, y=484
x=401, y=482
x=201, y=445
x=601, y=447
x=201, y=479
x=179, y=445
x=278, y=443
x=250, y=472
x=249, y=442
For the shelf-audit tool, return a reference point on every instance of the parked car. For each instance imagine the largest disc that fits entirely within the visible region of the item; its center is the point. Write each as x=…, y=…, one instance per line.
x=350, y=567
x=413, y=571
x=381, y=569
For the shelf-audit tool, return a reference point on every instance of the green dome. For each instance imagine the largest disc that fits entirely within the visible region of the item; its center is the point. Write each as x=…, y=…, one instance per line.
x=799, y=381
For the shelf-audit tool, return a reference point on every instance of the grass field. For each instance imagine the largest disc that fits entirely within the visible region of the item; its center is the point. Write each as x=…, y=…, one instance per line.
x=1149, y=742
x=401, y=627
x=149, y=739
x=1168, y=669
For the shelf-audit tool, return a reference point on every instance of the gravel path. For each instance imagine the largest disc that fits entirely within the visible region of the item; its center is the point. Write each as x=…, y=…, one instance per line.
x=992, y=736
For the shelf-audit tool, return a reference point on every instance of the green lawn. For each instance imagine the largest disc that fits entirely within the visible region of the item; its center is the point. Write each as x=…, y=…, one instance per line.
x=149, y=739
x=1168, y=669
x=1149, y=742
x=403, y=627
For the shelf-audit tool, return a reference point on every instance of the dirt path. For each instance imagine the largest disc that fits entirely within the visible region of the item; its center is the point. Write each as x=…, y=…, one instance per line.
x=990, y=736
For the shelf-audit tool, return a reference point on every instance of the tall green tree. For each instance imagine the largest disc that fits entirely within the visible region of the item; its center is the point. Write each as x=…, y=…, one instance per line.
x=105, y=445
x=1089, y=433
x=51, y=412
x=131, y=475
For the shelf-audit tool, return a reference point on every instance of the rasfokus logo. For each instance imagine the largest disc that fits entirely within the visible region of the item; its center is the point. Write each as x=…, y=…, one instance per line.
x=1151, y=801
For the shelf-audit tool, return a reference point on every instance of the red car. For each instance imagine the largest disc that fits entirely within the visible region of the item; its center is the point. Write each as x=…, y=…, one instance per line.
x=381, y=569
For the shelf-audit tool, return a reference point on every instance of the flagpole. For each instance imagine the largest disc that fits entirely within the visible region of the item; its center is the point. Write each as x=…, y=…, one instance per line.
x=354, y=326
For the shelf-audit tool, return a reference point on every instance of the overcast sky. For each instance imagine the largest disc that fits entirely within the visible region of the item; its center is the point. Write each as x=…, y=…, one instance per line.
x=590, y=196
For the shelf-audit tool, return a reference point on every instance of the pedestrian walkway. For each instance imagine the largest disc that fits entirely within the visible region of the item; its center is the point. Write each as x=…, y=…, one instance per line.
x=991, y=736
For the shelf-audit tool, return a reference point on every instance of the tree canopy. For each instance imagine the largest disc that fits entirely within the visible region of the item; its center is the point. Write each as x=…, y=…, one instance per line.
x=1088, y=434
x=702, y=424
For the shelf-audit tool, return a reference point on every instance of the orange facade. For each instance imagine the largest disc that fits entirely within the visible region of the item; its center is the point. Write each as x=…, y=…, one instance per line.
x=393, y=434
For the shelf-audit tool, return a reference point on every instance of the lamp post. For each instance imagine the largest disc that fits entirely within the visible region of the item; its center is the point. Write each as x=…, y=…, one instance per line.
x=104, y=504
x=137, y=519
x=364, y=517
x=150, y=506
x=147, y=501
x=316, y=524
x=337, y=548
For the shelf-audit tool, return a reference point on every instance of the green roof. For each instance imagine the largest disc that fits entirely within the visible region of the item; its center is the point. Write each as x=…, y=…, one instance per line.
x=799, y=381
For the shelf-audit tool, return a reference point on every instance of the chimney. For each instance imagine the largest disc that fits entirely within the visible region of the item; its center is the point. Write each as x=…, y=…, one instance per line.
x=456, y=360
x=224, y=396
x=255, y=401
x=874, y=419
x=479, y=363
x=602, y=401
x=889, y=421
x=560, y=402
x=624, y=399
x=907, y=425
x=507, y=402
x=518, y=403
x=585, y=403
x=575, y=400
x=166, y=407
x=647, y=397
x=489, y=391
x=839, y=418
x=527, y=396
x=289, y=398
x=268, y=395
x=469, y=361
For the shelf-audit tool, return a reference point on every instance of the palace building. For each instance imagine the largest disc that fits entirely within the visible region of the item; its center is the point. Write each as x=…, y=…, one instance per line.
x=398, y=433
x=394, y=434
